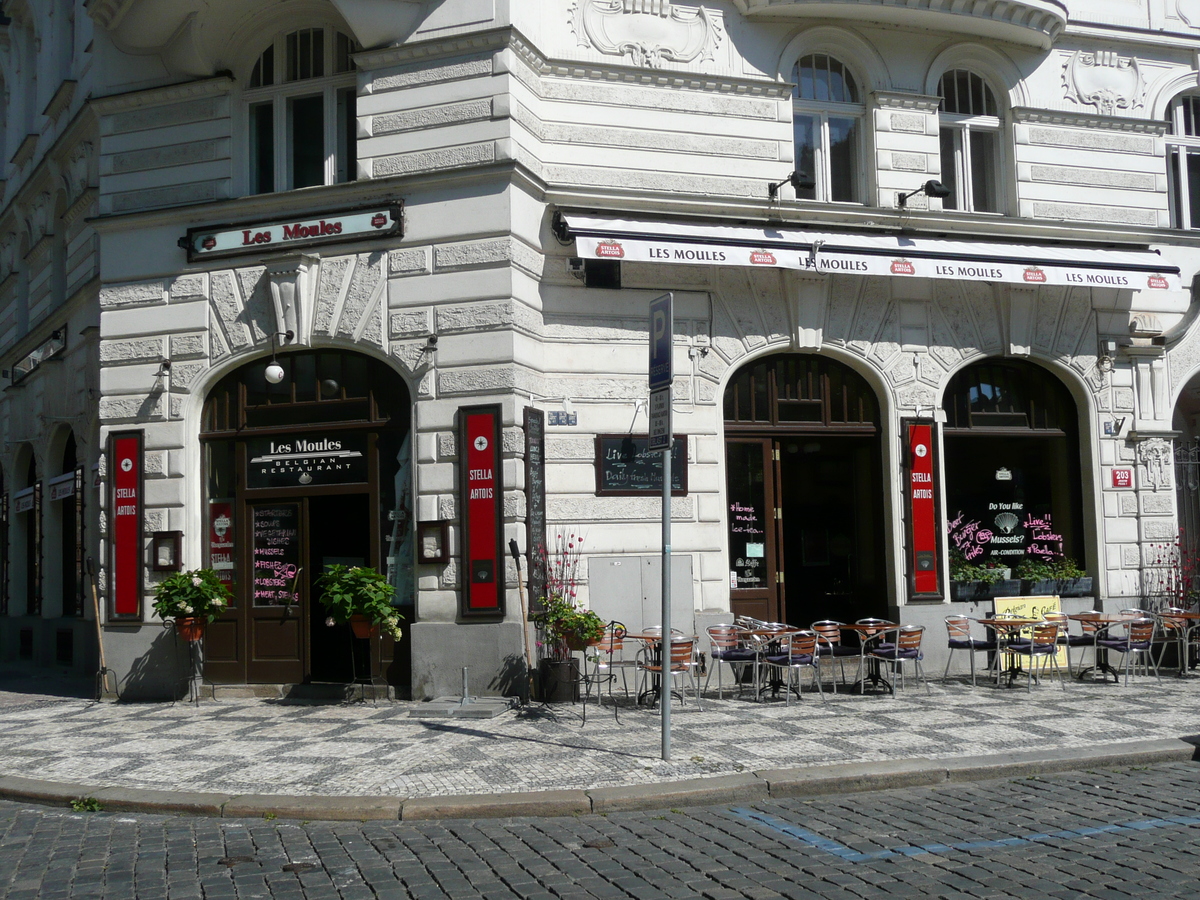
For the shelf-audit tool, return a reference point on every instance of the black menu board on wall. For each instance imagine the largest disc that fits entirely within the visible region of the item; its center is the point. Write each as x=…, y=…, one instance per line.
x=626, y=466
x=535, y=498
x=276, y=554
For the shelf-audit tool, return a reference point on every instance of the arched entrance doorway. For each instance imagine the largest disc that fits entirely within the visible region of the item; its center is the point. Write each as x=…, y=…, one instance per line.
x=312, y=471
x=804, y=485
x=1013, y=489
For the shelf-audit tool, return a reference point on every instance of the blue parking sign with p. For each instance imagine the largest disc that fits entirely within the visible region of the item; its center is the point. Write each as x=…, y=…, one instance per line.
x=662, y=328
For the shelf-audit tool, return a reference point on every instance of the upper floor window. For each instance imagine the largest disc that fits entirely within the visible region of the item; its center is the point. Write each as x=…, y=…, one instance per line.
x=970, y=142
x=827, y=114
x=1183, y=161
x=301, y=112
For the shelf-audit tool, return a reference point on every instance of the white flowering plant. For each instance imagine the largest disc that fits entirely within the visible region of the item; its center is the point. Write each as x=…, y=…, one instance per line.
x=199, y=594
x=347, y=591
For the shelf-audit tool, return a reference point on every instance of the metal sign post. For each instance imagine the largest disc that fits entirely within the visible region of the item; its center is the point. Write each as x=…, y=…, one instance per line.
x=662, y=328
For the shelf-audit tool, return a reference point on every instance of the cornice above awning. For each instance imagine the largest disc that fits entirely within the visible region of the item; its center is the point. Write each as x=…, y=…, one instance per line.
x=1036, y=23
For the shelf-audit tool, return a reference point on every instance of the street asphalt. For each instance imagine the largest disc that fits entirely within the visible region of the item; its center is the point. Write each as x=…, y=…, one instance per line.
x=359, y=761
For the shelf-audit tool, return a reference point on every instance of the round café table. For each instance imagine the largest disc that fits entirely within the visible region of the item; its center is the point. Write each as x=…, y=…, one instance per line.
x=1103, y=621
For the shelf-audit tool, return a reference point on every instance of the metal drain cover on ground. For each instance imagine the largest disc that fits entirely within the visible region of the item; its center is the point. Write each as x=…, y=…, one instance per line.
x=443, y=707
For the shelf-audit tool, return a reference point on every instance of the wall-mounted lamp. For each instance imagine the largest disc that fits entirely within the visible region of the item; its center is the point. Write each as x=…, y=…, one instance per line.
x=164, y=368
x=431, y=343
x=274, y=373
x=929, y=189
x=801, y=181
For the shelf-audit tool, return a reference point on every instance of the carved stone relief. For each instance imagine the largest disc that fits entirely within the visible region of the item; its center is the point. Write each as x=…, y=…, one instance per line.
x=1155, y=454
x=75, y=174
x=650, y=32
x=1105, y=80
x=39, y=218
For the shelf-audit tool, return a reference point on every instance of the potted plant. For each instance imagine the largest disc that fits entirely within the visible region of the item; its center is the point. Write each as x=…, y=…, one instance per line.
x=1037, y=576
x=978, y=581
x=361, y=596
x=1072, y=580
x=192, y=599
x=565, y=628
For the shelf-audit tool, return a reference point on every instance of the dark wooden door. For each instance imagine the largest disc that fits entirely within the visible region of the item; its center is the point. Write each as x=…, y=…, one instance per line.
x=751, y=491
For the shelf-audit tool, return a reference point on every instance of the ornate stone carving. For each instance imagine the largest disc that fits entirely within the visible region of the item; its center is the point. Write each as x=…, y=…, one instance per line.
x=290, y=295
x=650, y=32
x=75, y=173
x=1189, y=11
x=1155, y=454
x=39, y=218
x=1105, y=80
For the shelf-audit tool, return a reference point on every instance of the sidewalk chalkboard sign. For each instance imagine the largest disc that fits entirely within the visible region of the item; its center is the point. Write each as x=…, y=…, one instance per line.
x=627, y=467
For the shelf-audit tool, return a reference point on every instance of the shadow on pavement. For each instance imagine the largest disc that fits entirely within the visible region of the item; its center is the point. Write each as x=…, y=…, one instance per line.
x=26, y=685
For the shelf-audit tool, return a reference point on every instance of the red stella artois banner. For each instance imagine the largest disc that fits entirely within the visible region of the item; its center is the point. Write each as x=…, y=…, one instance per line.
x=349, y=225
x=958, y=261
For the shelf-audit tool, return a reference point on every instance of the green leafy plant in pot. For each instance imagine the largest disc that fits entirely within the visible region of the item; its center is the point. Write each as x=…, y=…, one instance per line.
x=192, y=599
x=360, y=596
x=567, y=627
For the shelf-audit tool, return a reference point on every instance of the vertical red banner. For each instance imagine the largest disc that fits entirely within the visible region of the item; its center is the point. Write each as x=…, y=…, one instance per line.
x=922, y=510
x=482, y=495
x=125, y=523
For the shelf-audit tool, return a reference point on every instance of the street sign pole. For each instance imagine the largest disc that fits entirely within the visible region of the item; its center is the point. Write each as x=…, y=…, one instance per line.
x=662, y=329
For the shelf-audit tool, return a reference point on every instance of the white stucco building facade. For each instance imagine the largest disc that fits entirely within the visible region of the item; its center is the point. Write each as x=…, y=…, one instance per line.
x=931, y=265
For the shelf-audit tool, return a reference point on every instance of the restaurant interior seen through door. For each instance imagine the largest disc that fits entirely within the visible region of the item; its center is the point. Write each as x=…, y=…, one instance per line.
x=312, y=471
x=804, y=486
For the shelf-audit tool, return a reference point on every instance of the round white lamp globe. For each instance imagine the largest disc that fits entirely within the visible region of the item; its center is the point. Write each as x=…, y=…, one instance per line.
x=274, y=373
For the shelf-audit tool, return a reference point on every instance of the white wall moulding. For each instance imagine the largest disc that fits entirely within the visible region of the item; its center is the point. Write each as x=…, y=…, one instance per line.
x=1030, y=22
x=650, y=32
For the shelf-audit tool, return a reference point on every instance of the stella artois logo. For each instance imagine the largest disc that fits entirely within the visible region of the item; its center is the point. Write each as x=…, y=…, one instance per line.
x=903, y=267
x=762, y=258
x=1034, y=275
x=378, y=220
x=610, y=250
x=1157, y=282
x=221, y=525
x=209, y=242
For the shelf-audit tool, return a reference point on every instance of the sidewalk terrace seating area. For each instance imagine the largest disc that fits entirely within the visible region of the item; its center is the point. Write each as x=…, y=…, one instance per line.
x=359, y=748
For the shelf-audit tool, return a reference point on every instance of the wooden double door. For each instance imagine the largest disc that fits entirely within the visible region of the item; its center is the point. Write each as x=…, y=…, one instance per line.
x=805, y=527
x=276, y=632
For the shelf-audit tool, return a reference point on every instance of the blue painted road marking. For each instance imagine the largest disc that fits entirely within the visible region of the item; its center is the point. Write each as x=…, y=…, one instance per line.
x=843, y=852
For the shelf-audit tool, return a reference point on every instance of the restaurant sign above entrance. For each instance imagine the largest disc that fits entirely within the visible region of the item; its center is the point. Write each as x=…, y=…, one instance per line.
x=284, y=461
x=384, y=220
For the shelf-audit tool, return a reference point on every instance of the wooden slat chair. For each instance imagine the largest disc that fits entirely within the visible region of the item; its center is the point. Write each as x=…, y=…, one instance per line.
x=727, y=644
x=906, y=649
x=830, y=646
x=958, y=637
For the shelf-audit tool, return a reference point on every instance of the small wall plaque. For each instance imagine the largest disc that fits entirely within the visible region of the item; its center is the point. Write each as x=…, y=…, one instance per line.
x=432, y=542
x=165, y=551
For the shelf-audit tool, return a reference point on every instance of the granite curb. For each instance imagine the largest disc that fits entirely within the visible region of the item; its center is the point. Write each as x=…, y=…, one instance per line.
x=766, y=784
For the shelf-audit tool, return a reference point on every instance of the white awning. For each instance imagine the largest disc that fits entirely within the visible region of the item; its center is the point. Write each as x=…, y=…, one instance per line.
x=868, y=254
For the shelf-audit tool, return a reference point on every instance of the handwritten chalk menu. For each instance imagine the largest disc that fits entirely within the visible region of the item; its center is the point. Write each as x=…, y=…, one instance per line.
x=535, y=492
x=746, y=495
x=627, y=467
x=276, y=553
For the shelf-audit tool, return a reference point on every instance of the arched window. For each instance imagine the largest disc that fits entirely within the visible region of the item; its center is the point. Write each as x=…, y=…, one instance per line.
x=801, y=391
x=827, y=113
x=970, y=142
x=301, y=112
x=1183, y=161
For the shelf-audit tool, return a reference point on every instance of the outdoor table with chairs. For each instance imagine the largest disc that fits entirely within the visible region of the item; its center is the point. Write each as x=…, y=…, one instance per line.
x=1096, y=625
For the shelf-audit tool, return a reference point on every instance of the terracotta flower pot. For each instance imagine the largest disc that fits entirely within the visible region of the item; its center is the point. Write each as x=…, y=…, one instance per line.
x=363, y=627
x=190, y=628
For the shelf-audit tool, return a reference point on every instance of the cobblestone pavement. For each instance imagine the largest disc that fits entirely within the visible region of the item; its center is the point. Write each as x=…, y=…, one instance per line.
x=1107, y=834
x=356, y=749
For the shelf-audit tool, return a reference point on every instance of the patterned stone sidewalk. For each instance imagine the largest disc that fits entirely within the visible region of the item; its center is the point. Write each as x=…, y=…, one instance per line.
x=273, y=747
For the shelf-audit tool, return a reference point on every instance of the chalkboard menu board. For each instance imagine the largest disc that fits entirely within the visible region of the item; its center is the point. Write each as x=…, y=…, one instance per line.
x=627, y=467
x=535, y=501
x=276, y=554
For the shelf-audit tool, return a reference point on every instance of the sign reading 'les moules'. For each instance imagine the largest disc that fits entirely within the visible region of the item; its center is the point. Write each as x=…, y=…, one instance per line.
x=256, y=237
x=290, y=462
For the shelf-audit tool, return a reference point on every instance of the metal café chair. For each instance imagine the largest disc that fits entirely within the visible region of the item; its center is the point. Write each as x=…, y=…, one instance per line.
x=798, y=650
x=830, y=646
x=958, y=637
x=1137, y=640
x=1173, y=628
x=907, y=648
x=608, y=658
x=869, y=638
x=682, y=663
x=1041, y=644
x=727, y=644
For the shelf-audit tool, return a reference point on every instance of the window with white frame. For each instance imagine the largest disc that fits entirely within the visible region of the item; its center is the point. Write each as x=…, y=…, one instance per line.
x=827, y=114
x=301, y=112
x=969, y=129
x=1183, y=161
